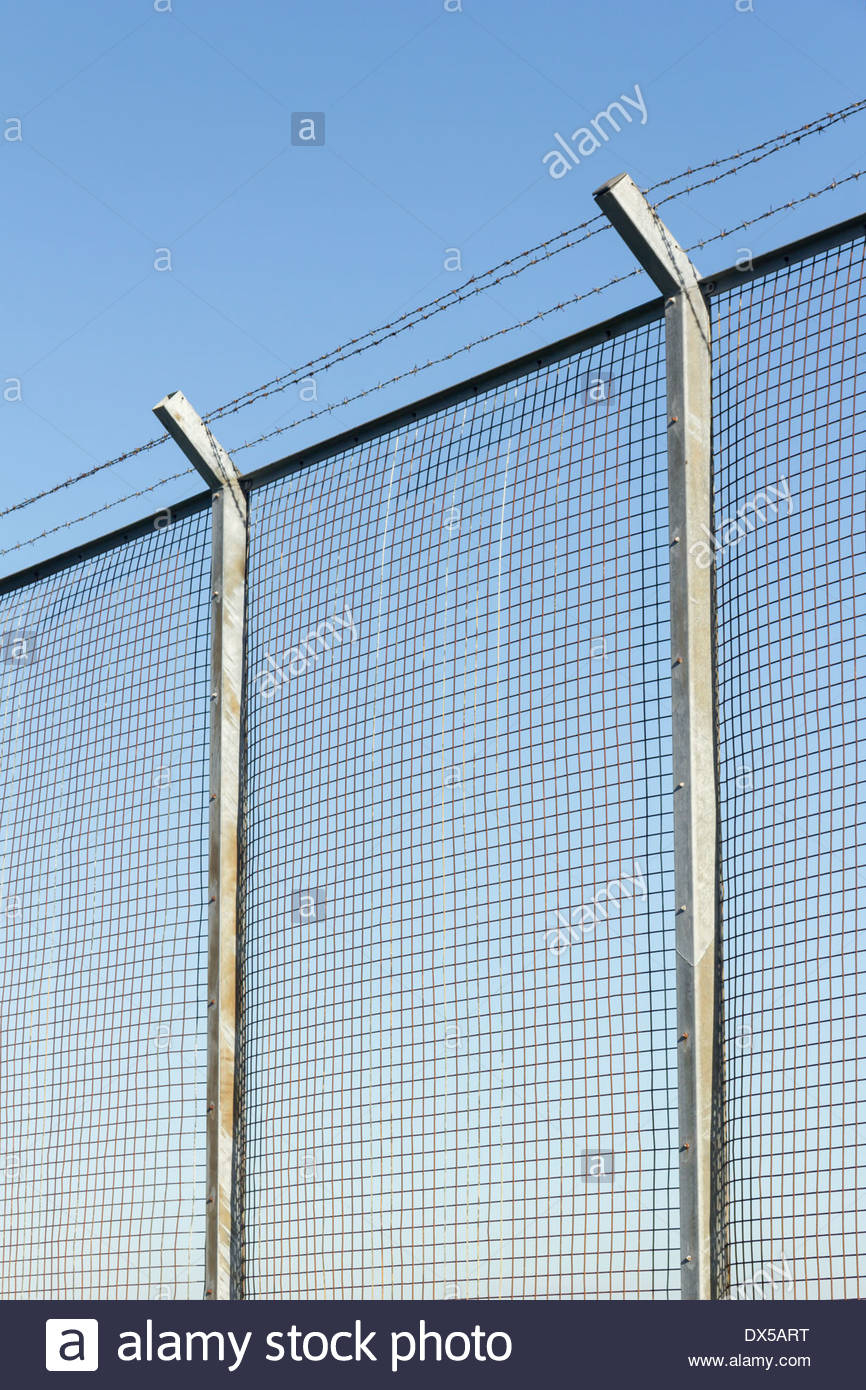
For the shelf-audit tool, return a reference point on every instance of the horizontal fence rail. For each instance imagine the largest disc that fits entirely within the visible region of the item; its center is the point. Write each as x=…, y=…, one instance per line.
x=458, y=1044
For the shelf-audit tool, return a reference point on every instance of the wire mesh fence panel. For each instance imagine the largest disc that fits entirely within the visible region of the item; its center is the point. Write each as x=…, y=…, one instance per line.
x=790, y=556
x=458, y=1014
x=104, y=704
x=457, y=1027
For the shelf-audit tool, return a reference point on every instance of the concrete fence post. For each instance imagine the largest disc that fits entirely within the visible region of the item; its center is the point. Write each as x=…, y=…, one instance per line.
x=228, y=579
x=695, y=792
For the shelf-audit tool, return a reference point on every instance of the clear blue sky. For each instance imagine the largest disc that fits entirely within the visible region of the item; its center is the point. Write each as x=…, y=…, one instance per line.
x=144, y=130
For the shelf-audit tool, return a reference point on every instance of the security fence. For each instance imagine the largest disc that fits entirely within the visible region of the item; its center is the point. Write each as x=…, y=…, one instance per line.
x=458, y=850
x=461, y=979
x=790, y=565
x=104, y=922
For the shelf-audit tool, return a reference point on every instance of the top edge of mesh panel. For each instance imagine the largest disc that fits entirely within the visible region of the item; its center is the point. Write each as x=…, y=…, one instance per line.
x=100, y=545
x=808, y=247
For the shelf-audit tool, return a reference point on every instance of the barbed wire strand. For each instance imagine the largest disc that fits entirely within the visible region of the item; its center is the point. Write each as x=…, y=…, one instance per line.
x=542, y=251
x=52, y=531
x=467, y=347
x=88, y=473
x=789, y=137
x=593, y=226
x=533, y=318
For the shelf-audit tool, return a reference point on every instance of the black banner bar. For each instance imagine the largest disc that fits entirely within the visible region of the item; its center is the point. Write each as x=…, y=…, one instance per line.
x=426, y=1344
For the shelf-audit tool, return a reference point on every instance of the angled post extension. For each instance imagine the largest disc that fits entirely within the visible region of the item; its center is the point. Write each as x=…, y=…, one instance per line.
x=687, y=347
x=228, y=577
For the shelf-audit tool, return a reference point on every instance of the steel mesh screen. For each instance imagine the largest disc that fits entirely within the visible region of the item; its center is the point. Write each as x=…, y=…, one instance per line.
x=104, y=697
x=790, y=544
x=458, y=1012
